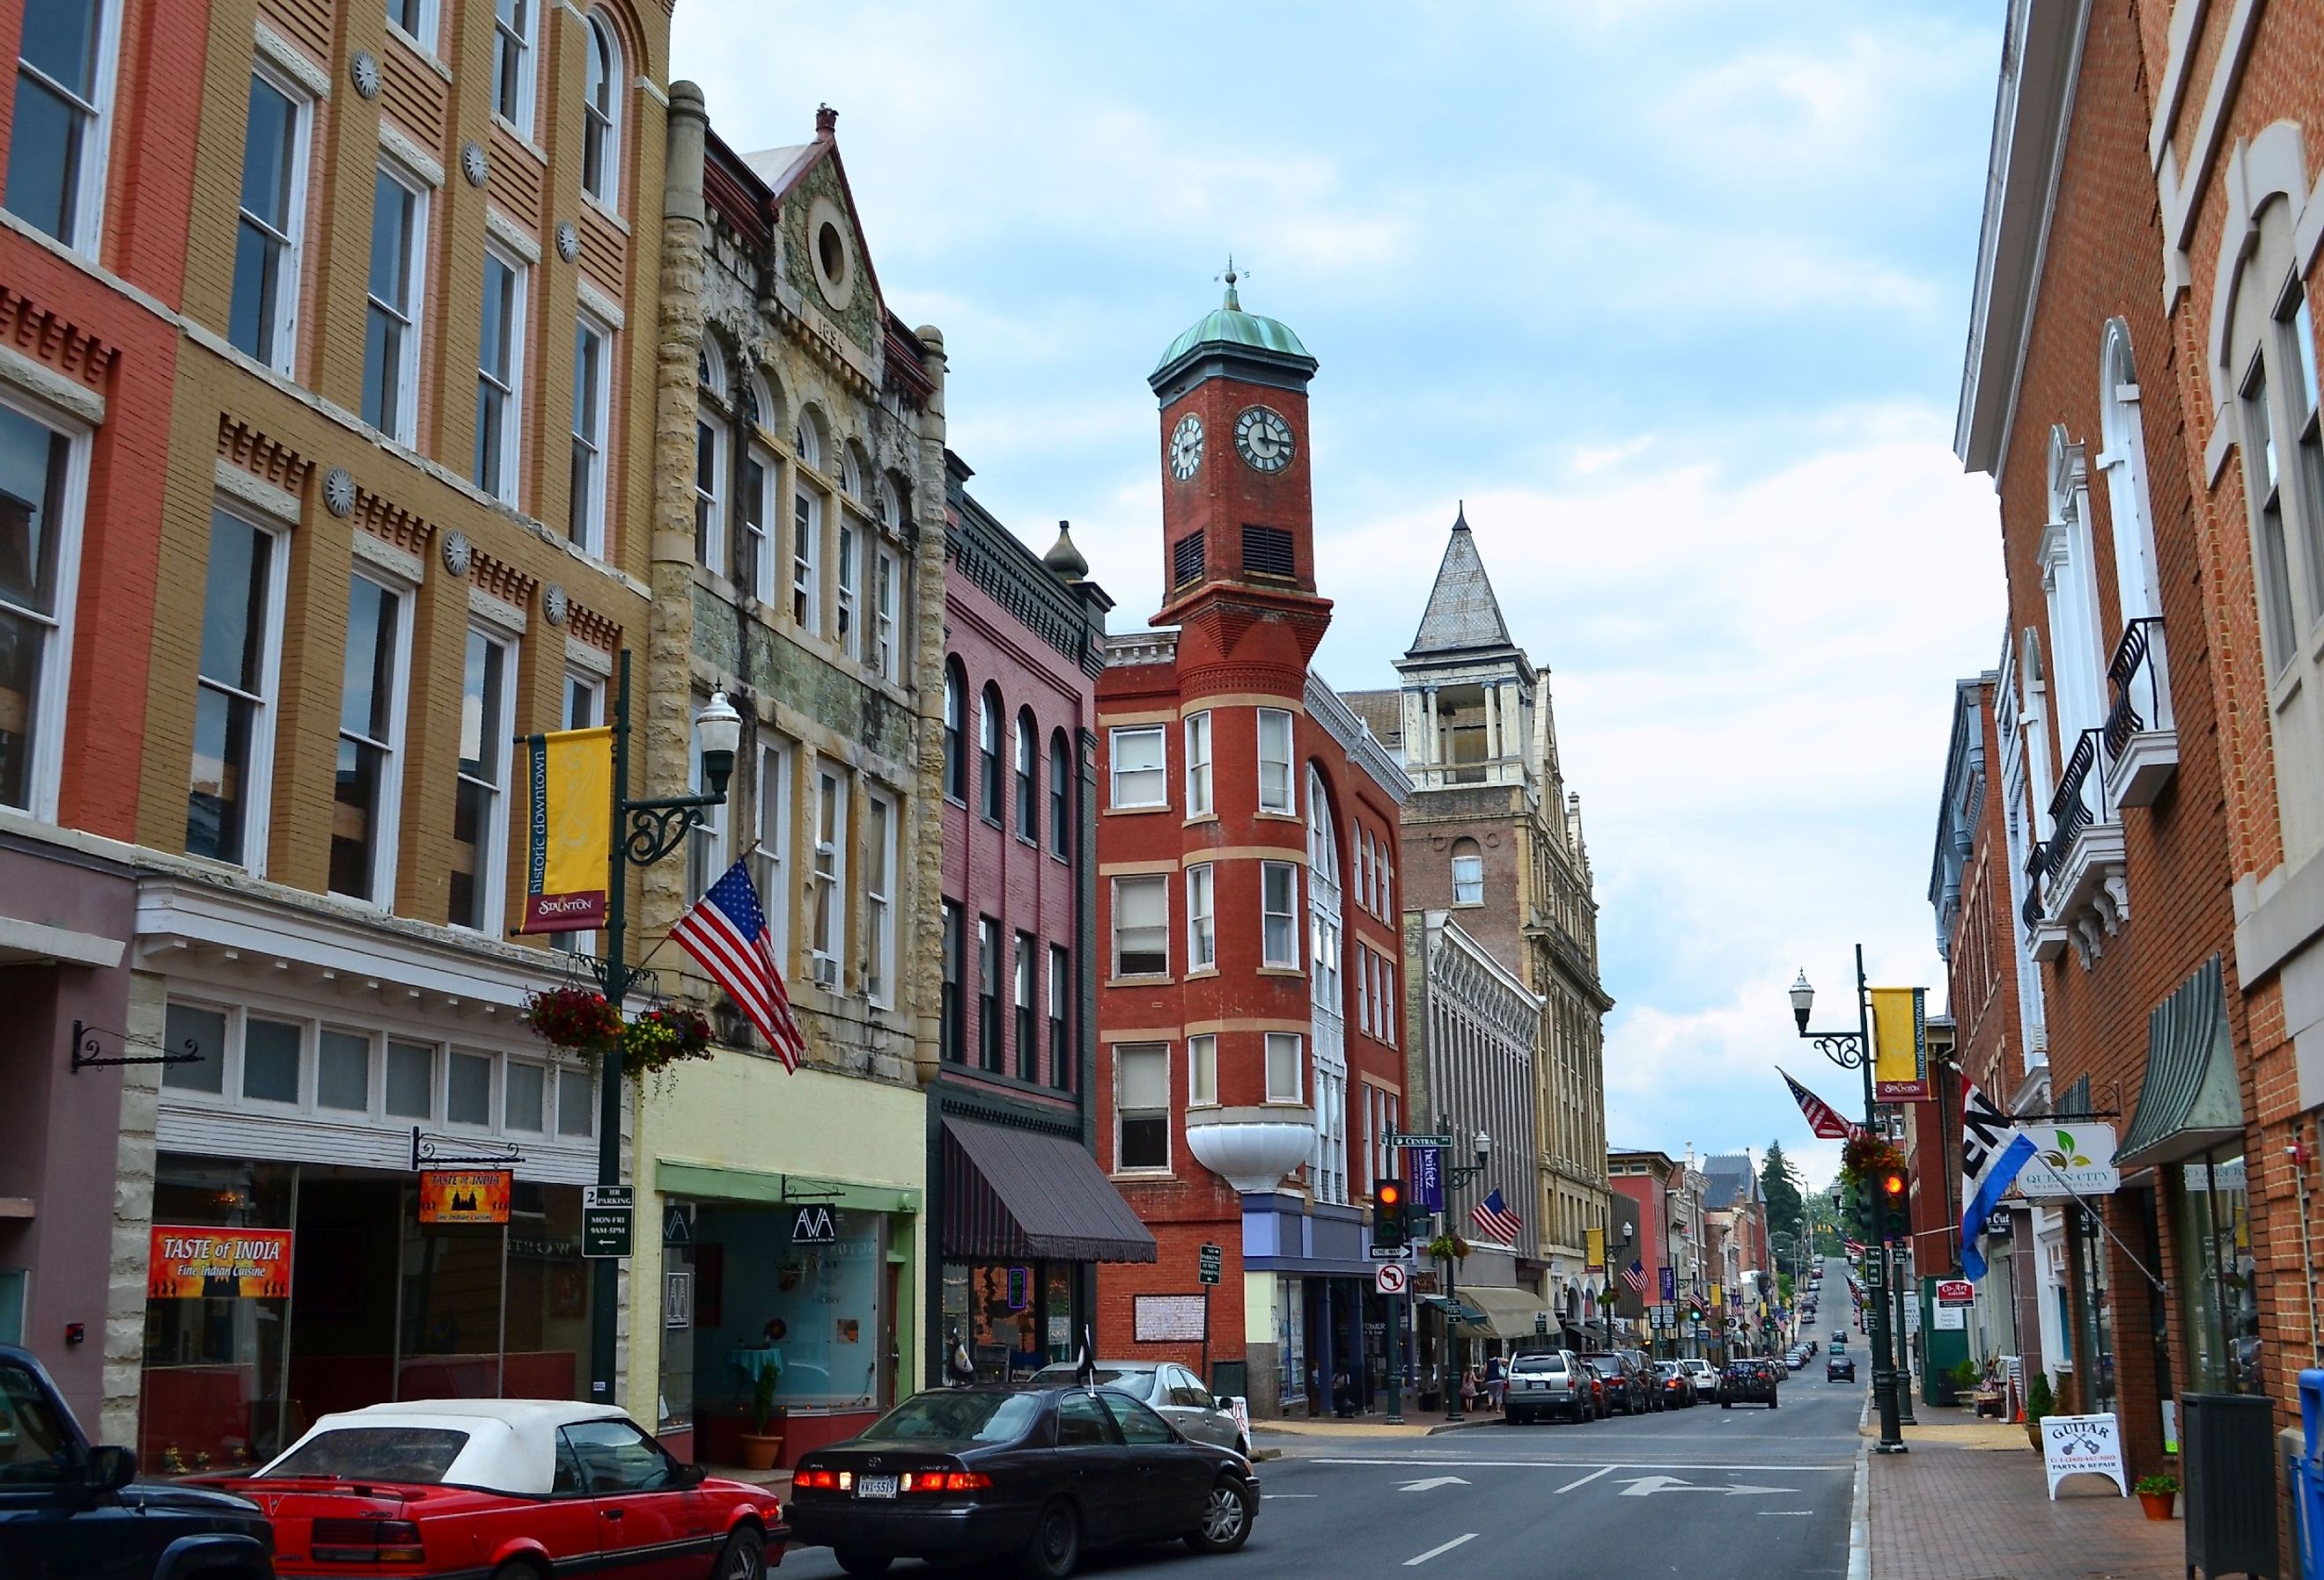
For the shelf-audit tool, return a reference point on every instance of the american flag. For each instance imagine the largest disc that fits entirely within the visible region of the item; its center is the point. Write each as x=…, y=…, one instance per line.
x=727, y=932
x=1822, y=1118
x=1635, y=1275
x=1493, y=1216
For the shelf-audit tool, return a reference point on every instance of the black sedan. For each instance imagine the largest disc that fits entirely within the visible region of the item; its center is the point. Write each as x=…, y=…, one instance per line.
x=1039, y=1474
x=1747, y=1382
x=1839, y=1368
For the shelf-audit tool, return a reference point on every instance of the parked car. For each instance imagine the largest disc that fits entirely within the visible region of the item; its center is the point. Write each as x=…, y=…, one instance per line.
x=69, y=1510
x=1747, y=1382
x=1839, y=1336
x=1172, y=1392
x=1042, y=1474
x=1549, y=1384
x=1705, y=1375
x=1626, y=1388
x=1841, y=1367
x=1675, y=1383
x=493, y=1486
x=1601, y=1399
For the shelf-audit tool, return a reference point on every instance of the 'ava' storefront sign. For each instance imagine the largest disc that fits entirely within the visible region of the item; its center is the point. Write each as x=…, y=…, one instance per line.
x=2069, y=1160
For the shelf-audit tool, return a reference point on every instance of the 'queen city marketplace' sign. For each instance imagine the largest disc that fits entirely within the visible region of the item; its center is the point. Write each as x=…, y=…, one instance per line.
x=2068, y=1160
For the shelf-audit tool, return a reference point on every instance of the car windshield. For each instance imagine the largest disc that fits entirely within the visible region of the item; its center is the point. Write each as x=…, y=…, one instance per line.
x=1060, y=1376
x=960, y=1416
x=375, y=1454
x=34, y=1443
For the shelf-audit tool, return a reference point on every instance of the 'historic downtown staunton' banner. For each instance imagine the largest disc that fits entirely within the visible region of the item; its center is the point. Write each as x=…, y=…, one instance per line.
x=572, y=831
x=1900, y=1041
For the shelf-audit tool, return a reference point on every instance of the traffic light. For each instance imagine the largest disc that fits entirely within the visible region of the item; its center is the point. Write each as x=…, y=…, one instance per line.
x=1391, y=1225
x=1895, y=1213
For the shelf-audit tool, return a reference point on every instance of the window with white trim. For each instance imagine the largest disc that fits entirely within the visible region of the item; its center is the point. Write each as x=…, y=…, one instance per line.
x=63, y=118
x=1027, y=746
x=261, y=320
x=1278, y=910
x=500, y=353
x=807, y=558
x=516, y=38
x=955, y=746
x=1201, y=1071
x=43, y=489
x=370, y=738
x=1275, y=793
x=417, y=18
x=479, y=811
x=1027, y=1032
x=880, y=899
x=601, y=112
x=1468, y=873
x=827, y=916
x=887, y=600
x=1061, y=1018
x=1141, y=1106
x=988, y=754
x=847, y=585
x=754, y=563
x=989, y=1053
x=1061, y=805
x=1285, y=1081
x=593, y=373
x=1198, y=765
x=1142, y=926
x=1201, y=923
x=770, y=869
x=226, y=804
x=1139, y=777
x=399, y=231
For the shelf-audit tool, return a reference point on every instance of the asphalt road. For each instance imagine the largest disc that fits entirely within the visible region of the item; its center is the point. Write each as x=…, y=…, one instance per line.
x=1739, y=1493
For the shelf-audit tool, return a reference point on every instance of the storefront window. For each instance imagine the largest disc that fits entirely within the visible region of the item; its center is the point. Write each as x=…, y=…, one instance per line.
x=2095, y=1325
x=2218, y=1303
x=1016, y=1317
x=212, y=1392
x=811, y=1308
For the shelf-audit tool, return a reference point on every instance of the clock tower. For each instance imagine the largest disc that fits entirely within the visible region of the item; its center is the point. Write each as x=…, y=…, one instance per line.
x=1238, y=513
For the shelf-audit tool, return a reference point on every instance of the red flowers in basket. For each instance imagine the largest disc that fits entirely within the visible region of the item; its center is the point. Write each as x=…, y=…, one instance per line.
x=1866, y=1155
x=578, y=1018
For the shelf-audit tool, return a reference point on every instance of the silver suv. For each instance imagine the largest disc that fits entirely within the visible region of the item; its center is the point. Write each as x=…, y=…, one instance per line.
x=1545, y=1384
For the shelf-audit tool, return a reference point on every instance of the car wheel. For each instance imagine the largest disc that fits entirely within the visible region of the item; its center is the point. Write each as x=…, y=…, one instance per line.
x=744, y=1557
x=1226, y=1519
x=864, y=1565
x=518, y=1570
x=1054, y=1545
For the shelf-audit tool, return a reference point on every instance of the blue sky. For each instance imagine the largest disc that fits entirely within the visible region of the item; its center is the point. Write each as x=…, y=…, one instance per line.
x=1671, y=292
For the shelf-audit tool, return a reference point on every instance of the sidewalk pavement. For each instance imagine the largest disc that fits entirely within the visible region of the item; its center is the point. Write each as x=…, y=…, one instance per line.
x=1971, y=1503
x=1418, y=1424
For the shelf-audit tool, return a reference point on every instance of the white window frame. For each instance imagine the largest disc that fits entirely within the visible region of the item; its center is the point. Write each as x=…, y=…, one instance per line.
x=1198, y=765
x=96, y=151
x=283, y=354
x=770, y=865
x=43, y=782
x=1202, y=1071
x=1291, y=1042
x=390, y=814
x=827, y=879
x=604, y=185
x=591, y=540
x=424, y=34
x=709, y=501
x=887, y=597
x=493, y=859
x=1160, y=770
x=1161, y=1052
x=756, y=533
x=1161, y=882
x=526, y=38
x=1202, y=920
x=1286, y=918
x=847, y=574
x=807, y=568
x=882, y=813
x=407, y=368
x=1455, y=860
x=1287, y=801
x=259, y=792
x=503, y=487
x=1060, y=971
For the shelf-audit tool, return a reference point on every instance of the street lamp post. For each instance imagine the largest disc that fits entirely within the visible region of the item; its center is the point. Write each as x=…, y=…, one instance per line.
x=645, y=832
x=1454, y=1179
x=1852, y=1050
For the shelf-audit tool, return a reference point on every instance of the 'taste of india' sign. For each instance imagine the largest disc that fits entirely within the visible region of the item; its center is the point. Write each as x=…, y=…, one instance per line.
x=248, y=1264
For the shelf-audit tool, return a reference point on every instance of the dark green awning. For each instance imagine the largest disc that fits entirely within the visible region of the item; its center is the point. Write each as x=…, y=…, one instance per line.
x=2189, y=1102
x=1458, y=1309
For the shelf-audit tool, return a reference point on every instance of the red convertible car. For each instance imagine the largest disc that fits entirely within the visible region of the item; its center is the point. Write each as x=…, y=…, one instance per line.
x=505, y=1489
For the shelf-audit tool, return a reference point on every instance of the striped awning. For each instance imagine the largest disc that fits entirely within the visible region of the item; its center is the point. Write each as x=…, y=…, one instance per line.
x=2189, y=1102
x=1014, y=1195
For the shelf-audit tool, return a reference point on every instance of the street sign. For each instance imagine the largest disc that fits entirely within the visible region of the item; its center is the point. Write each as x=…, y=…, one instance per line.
x=1541, y=1324
x=1388, y=1278
x=1418, y=1140
x=1211, y=1259
x=1956, y=1292
x=1383, y=1253
x=606, y=1214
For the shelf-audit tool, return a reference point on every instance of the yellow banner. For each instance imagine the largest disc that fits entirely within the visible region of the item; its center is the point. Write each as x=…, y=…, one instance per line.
x=1596, y=1256
x=1716, y=1292
x=572, y=831
x=1900, y=1065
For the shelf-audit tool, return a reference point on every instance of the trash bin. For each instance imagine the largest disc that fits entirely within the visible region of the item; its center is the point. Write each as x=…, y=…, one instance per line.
x=2226, y=1453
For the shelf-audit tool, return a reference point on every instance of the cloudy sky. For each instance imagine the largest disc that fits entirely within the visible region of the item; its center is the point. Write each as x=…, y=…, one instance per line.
x=1671, y=292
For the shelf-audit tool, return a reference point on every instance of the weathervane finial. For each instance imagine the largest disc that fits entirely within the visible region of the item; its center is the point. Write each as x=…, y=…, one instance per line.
x=1233, y=302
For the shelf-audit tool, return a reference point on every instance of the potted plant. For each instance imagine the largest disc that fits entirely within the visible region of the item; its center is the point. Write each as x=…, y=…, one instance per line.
x=2039, y=1402
x=1959, y=1381
x=2156, y=1494
x=761, y=1447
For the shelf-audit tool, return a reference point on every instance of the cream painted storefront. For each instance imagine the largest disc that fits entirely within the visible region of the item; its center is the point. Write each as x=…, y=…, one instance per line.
x=781, y=1224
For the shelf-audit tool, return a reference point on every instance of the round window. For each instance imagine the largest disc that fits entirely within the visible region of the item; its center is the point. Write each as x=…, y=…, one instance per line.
x=831, y=251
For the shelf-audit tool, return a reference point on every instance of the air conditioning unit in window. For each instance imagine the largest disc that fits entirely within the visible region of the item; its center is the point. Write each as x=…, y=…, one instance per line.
x=824, y=969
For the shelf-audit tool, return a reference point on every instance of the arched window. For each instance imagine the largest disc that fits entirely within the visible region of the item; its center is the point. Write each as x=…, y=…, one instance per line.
x=955, y=757
x=2125, y=460
x=1061, y=806
x=600, y=113
x=2077, y=663
x=851, y=474
x=710, y=464
x=1029, y=780
x=1468, y=873
x=988, y=744
x=809, y=439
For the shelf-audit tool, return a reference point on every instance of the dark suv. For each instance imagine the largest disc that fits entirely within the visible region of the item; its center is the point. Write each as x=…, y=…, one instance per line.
x=1625, y=1385
x=68, y=1512
x=1747, y=1382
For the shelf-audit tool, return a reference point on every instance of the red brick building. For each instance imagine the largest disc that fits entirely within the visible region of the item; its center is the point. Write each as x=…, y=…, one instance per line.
x=1248, y=933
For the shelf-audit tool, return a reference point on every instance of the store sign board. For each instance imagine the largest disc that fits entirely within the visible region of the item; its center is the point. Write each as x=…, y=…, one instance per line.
x=234, y=1264
x=2069, y=1160
x=1952, y=1318
x=1956, y=1292
x=2082, y=1445
x=464, y=1195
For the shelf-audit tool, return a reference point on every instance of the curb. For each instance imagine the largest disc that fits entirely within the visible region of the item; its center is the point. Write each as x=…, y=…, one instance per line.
x=1860, y=1515
x=1439, y=1431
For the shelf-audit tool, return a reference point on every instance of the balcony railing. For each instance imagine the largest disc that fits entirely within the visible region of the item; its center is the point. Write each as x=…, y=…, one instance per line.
x=2076, y=806
x=2141, y=744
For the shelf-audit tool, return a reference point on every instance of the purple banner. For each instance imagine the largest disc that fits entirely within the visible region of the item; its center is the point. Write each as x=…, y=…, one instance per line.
x=1670, y=1284
x=1424, y=1168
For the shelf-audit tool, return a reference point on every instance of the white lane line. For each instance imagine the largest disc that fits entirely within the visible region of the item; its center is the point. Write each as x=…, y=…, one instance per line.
x=1593, y=1476
x=1273, y=1497
x=1581, y=1465
x=1802, y=1512
x=1439, y=1552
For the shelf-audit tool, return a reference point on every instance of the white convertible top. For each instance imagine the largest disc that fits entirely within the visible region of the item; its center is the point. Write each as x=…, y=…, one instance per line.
x=511, y=1443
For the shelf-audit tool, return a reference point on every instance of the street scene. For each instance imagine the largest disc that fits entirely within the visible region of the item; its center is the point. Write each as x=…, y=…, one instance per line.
x=1487, y=790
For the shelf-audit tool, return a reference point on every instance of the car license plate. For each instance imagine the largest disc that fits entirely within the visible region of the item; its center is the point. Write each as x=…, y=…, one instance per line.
x=875, y=1486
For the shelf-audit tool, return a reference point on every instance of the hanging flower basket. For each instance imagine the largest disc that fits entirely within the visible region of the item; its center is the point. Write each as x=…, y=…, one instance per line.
x=579, y=1019
x=1866, y=1155
x=662, y=1037
x=1448, y=1248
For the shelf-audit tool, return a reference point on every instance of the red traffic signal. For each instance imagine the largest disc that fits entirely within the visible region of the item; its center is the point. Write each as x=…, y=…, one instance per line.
x=1388, y=1193
x=1892, y=1185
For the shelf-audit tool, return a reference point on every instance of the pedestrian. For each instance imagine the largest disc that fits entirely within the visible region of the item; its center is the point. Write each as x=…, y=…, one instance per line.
x=1497, y=1380
x=1468, y=1388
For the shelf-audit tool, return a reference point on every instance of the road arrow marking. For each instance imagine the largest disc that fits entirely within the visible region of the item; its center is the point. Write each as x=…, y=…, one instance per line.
x=1440, y=1481
x=1647, y=1486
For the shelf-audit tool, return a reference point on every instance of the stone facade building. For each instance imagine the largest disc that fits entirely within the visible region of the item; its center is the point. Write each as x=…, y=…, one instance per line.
x=798, y=563
x=1492, y=835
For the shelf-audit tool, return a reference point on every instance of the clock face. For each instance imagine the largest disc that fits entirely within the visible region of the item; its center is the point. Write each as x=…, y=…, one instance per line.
x=1263, y=439
x=1186, y=448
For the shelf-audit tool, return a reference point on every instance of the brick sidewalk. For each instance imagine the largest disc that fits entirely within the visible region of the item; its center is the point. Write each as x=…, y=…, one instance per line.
x=1959, y=1506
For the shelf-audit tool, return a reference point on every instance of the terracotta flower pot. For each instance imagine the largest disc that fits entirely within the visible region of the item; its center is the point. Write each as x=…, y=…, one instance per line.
x=759, y=1452
x=2158, y=1505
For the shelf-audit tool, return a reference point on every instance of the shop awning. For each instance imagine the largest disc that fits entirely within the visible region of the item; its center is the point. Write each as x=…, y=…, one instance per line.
x=1014, y=1195
x=2189, y=1102
x=1504, y=1312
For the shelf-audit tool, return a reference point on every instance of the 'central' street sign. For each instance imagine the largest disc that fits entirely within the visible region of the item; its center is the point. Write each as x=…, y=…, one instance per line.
x=1431, y=1140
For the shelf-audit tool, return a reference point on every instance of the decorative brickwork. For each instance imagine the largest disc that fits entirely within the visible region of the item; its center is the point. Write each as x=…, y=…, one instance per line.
x=48, y=337
x=261, y=455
